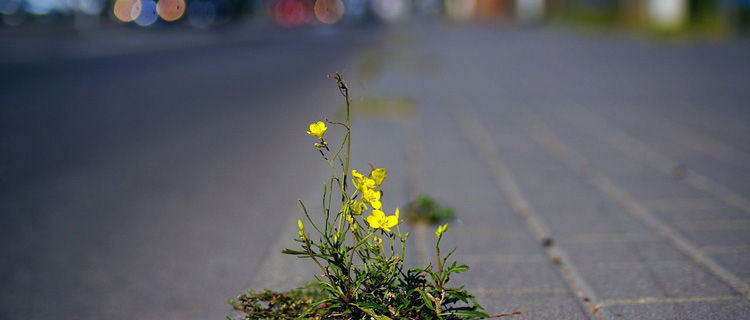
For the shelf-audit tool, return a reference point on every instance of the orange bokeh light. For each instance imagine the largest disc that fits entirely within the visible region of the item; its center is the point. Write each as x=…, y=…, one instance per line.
x=127, y=10
x=329, y=11
x=170, y=10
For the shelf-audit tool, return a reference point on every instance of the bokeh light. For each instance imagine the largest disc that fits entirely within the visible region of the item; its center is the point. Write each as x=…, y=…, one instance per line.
x=292, y=13
x=390, y=10
x=667, y=13
x=89, y=7
x=529, y=11
x=12, y=12
x=170, y=10
x=148, y=13
x=460, y=10
x=201, y=14
x=127, y=10
x=356, y=10
x=329, y=11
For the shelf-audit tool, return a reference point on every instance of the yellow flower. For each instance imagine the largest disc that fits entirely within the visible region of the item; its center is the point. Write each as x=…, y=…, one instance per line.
x=361, y=182
x=379, y=175
x=317, y=129
x=357, y=175
x=372, y=197
x=356, y=207
x=365, y=184
x=378, y=220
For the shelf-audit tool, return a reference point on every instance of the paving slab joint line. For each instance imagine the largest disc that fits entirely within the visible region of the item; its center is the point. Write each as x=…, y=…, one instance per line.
x=475, y=132
x=665, y=300
x=644, y=154
x=540, y=132
x=702, y=143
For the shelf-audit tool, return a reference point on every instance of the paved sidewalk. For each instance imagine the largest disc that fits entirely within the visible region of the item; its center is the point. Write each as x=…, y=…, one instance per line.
x=631, y=157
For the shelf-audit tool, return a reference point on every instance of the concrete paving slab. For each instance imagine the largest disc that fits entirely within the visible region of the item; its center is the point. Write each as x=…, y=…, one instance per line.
x=721, y=310
x=622, y=251
x=683, y=210
x=532, y=305
x=653, y=279
x=564, y=224
x=505, y=274
x=737, y=262
x=644, y=187
x=726, y=237
x=489, y=240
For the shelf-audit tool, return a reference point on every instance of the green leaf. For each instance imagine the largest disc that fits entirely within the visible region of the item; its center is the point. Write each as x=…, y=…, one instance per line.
x=313, y=284
x=457, y=269
x=293, y=252
x=476, y=304
x=427, y=300
x=467, y=313
x=372, y=305
x=369, y=312
x=312, y=307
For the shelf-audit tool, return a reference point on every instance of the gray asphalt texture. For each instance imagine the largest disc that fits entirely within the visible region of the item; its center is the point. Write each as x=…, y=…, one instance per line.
x=631, y=155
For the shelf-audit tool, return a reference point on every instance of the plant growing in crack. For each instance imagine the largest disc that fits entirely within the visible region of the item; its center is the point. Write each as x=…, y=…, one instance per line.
x=360, y=252
x=426, y=210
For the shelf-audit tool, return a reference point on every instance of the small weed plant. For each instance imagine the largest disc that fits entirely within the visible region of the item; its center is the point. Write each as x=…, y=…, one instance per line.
x=360, y=251
x=426, y=210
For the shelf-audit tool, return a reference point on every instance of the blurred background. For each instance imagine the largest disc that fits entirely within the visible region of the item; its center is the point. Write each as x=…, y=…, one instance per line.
x=702, y=16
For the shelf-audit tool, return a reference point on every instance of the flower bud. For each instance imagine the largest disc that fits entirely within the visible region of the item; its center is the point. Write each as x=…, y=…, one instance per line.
x=379, y=175
x=440, y=230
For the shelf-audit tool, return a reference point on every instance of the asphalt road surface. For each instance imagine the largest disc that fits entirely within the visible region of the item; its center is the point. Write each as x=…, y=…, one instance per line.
x=142, y=173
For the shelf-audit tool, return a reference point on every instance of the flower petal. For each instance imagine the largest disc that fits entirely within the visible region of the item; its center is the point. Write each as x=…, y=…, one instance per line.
x=379, y=175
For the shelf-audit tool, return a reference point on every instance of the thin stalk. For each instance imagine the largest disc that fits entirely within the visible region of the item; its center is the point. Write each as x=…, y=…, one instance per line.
x=348, y=135
x=308, y=216
x=309, y=252
x=440, y=265
x=345, y=92
x=344, y=197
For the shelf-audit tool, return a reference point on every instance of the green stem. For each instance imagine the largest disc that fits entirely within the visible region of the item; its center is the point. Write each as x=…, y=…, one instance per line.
x=440, y=265
x=345, y=198
x=308, y=216
x=309, y=252
x=348, y=133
